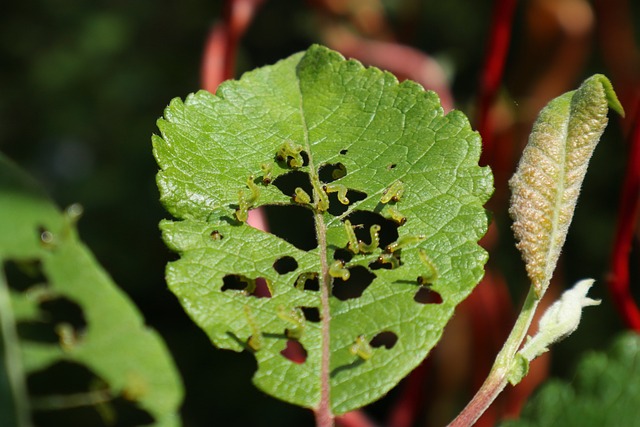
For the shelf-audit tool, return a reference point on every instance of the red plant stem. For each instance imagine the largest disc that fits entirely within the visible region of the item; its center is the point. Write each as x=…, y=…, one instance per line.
x=403, y=61
x=628, y=214
x=354, y=419
x=481, y=401
x=219, y=59
x=493, y=69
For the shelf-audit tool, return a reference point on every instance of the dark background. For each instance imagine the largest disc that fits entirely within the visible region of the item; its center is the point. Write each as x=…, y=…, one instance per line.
x=82, y=84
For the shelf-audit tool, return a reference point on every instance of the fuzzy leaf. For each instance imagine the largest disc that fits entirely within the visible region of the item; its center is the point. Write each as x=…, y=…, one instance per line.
x=604, y=392
x=43, y=261
x=546, y=186
x=309, y=134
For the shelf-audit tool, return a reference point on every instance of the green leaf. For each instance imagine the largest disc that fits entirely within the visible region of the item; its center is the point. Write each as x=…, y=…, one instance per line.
x=312, y=133
x=546, y=186
x=115, y=345
x=604, y=392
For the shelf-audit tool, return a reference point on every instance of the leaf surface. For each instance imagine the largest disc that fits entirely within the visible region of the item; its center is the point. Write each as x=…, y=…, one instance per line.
x=39, y=248
x=604, y=392
x=365, y=152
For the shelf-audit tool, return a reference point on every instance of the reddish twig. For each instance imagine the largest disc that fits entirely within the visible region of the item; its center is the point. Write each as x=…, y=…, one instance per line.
x=404, y=412
x=219, y=59
x=618, y=279
x=355, y=419
x=493, y=70
x=403, y=61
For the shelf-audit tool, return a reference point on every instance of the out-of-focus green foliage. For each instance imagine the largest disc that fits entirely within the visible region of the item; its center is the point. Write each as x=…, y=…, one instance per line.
x=604, y=392
x=100, y=329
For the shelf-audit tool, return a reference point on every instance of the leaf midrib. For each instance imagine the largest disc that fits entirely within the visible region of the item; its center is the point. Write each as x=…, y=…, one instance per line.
x=324, y=404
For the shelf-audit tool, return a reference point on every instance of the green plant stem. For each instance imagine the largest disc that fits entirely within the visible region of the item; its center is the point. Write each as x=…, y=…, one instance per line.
x=12, y=356
x=497, y=379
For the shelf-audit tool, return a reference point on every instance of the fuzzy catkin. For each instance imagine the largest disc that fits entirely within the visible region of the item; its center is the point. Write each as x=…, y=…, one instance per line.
x=546, y=185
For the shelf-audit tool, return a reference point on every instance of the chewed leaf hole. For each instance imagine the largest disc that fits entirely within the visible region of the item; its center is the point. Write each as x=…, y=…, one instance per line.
x=285, y=265
x=359, y=280
x=344, y=152
x=336, y=208
x=294, y=224
x=427, y=296
x=24, y=275
x=331, y=172
x=258, y=288
x=308, y=282
x=294, y=351
x=387, y=261
x=342, y=254
x=288, y=182
x=362, y=222
x=311, y=314
x=58, y=314
x=53, y=384
x=386, y=339
x=61, y=378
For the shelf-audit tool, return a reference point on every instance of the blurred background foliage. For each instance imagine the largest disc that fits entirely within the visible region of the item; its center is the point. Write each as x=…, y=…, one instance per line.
x=82, y=84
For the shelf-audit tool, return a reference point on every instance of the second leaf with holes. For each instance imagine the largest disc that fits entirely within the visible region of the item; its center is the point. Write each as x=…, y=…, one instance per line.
x=391, y=192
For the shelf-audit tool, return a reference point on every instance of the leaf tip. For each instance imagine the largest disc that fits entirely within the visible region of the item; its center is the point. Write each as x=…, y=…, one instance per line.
x=610, y=93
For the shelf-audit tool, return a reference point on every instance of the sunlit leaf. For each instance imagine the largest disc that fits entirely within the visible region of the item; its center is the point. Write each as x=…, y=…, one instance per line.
x=389, y=186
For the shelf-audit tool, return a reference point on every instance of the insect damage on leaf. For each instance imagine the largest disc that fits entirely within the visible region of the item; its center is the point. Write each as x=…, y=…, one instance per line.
x=382, y=177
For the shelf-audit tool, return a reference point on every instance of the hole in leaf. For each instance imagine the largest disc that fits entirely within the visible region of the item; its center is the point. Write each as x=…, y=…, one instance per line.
x=362, y=222
x=305, y=158
x=391, y=166
x=387, y=261
x=308, y=282
x=294, y=351
x=22, y=275
x=344, y=151
x=286, y=161
x=359, y=280
x=63, y=378
x=41, y=332
x=342, y=254
x=262, y=288
x=79, y=383
x=118, y=412
x=288, y=182
x=285, y=265
x=64, y=310
x=331, y=171
x=386, y=339
x=215, y=235
x=336, y=208
x=258, y=288
x=311, y=314
x=294, y=224
x=56, y=313
x=427, y=296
